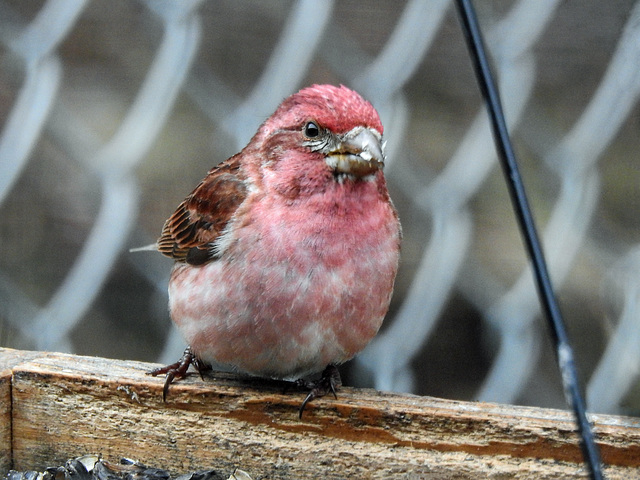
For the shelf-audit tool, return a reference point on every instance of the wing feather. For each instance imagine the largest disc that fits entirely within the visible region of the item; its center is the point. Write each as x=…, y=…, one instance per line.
x=201, y=218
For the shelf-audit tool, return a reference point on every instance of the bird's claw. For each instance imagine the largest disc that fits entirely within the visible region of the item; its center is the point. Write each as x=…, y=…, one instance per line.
x=178, y=370
x=329, y=382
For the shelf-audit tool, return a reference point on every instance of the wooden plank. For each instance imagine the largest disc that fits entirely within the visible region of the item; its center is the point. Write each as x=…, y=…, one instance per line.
x=65, y=406
x=5, y=417
x=8, y=360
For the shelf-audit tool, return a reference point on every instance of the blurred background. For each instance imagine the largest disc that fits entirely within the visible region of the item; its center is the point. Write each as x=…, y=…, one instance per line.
x=112, y=111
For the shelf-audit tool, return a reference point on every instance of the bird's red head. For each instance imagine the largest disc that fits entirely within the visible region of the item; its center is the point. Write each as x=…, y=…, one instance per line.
x=319, y=135
x=338, y=109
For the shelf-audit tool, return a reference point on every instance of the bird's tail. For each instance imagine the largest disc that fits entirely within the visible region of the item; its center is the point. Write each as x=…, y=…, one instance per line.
x=147, y=248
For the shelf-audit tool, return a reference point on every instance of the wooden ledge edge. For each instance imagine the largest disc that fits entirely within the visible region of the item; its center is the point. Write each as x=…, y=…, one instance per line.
x=73, y=402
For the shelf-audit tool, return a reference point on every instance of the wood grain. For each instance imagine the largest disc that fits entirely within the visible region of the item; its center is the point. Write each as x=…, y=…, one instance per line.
x=65, y=406
x=5, y=419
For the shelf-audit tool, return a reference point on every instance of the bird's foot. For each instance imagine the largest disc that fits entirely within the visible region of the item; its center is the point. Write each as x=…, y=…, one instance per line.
x=178, y=370
x=329, y=382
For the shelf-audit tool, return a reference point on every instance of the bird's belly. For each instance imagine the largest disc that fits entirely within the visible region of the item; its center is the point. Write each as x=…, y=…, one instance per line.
x=279, y=308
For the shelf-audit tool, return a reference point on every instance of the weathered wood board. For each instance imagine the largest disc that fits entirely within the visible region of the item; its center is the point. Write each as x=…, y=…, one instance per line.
x=56, y=406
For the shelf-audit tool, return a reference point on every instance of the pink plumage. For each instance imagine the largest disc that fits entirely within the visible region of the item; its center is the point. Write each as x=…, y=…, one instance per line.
x=286, y=253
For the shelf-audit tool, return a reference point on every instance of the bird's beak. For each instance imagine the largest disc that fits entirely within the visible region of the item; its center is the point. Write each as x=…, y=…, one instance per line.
x=359, y=152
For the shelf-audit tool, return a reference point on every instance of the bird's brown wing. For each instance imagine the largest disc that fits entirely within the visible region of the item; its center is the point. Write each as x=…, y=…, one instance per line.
x=200, y=219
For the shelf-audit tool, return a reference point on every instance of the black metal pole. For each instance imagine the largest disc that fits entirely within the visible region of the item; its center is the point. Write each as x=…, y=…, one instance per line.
x=548, y=300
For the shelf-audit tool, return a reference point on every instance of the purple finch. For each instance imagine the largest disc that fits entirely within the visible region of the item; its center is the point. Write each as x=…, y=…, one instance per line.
x=286, y=253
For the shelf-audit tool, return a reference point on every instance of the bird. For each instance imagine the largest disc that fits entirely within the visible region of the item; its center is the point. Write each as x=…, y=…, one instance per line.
x=286, y=253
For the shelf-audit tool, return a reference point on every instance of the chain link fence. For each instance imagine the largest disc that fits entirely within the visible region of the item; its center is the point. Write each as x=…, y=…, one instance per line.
x=112, y=111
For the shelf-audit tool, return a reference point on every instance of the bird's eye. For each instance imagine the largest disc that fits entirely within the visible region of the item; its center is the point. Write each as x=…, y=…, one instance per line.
x=311, y=130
